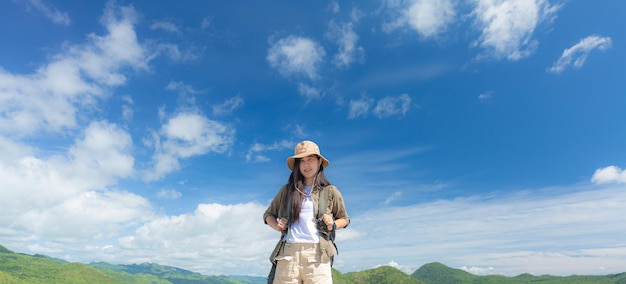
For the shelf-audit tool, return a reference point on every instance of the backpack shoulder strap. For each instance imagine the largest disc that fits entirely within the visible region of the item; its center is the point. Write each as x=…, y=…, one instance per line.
x=289, y=197
x=324, y=198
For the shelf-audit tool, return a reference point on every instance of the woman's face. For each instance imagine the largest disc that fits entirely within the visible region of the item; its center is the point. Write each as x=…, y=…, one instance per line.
x=309, y=166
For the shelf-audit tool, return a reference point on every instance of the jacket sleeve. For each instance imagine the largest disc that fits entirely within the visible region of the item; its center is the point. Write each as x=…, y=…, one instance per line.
x=338, y=206
x=275, y=206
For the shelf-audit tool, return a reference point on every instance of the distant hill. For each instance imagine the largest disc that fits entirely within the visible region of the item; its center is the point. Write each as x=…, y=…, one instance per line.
x=21, y=268
x=16, y=268
x=173, y=274
x=381, y=275
x=438, y=273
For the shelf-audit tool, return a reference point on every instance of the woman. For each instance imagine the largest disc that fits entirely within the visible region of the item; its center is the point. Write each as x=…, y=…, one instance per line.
x=307, y=211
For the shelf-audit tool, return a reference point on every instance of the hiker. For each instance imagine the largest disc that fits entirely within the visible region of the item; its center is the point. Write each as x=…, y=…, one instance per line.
x=307, y=211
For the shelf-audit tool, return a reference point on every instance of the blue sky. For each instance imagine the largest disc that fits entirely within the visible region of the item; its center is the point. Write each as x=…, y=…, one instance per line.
x=486, y=135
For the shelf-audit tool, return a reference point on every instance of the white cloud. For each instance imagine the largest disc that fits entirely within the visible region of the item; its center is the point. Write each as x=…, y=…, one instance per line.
x=485, y=96
x=182, y=88
x=507, y=26
x=228, y=106
x=93, y=162
x=186, y=135
x=346, y=39
x=577, y=55
x=255, y=153
x=356, y=15
x=127, y=108
x=309, y=92
x=103, y=154
x=296, y=56
x=176, y=54
x=299, y=131
x=389, y=106
x=392, y=198
x=478, y=270
x=88, y=217
x=169, y=193
x=12, y=151
x=49, y=99
x=610, y=174
x=360, y=107
x=558, y=231
x=127, y=113
x=214, y=239
x=67, y=199
x=385, y=107
x=117, y=49
x=394, y=264
x=50, y=12
x=165, y=25
x=429, y=18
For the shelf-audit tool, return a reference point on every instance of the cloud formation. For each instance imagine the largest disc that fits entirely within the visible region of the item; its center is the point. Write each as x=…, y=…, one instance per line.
x=346, y=39
x=497, y=233
x=186, y=135
x=50, y=99
x=429, y=18
x=296, y=56
x=70, y=198
x=214, y=239
x=610, y=174
x=49, y=11
x=228, y=106
x=385, y=107
x=256, y=150
x=507, y=26
x=576, y=55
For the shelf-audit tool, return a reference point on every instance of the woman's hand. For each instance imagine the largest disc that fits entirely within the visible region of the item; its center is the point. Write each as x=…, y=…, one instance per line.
x=328, y=220
x=281, y=225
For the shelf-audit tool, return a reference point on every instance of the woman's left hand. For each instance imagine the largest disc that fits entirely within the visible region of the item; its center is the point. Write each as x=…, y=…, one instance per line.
x=328, y=220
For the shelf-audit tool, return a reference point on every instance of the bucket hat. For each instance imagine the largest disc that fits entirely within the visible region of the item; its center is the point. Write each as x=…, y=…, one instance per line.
x=303, y=149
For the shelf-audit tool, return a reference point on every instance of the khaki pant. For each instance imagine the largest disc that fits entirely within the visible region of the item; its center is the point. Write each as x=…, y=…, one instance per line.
x=300, y=264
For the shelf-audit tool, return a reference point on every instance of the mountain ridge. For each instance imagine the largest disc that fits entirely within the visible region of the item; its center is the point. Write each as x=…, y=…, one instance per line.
x=18, y=268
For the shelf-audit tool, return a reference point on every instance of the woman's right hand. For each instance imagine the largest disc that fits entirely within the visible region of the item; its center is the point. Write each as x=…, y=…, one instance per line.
x=281, y=225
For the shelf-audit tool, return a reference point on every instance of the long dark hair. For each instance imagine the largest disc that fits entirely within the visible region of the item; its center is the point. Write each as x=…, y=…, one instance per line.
x=296, y=186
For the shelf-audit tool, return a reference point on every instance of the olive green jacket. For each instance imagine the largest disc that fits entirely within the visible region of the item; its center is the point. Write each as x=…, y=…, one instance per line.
x=334, y=206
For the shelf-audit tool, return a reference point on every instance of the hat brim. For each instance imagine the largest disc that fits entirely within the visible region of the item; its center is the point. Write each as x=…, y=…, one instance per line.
x=291, y=160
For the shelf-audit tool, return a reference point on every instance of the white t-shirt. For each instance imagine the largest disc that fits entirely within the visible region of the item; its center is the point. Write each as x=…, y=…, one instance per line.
x=304, y=229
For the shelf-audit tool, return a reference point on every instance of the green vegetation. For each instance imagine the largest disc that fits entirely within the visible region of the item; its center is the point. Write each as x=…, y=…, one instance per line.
x=6, y=278
x=437, y=273
x=168, y=274
x=26, y=269
x=381, y=275
x=441, y=274
x=18, y=268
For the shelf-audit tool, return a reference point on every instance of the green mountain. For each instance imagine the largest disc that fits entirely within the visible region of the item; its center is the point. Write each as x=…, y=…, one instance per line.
x=21, y=268
x=16, y=268
x=381, y=275
x=437, y=273
x=172, y=274
x=440, y=273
